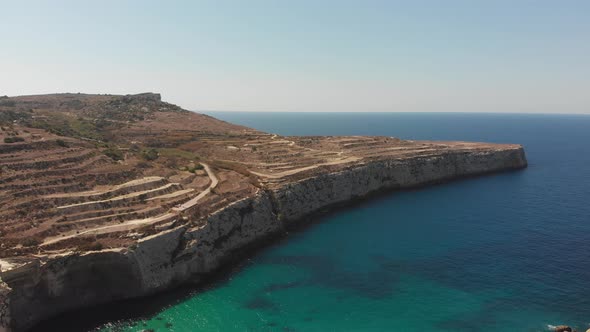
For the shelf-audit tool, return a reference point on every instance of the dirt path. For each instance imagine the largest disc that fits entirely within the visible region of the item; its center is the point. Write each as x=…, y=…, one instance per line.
x=132, y=224
x=129, y=225
x=297, y=170
x=290, y=143
x=192, y=202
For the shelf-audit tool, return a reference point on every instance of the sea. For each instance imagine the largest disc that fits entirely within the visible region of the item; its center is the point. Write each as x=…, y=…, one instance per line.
x=498, y=253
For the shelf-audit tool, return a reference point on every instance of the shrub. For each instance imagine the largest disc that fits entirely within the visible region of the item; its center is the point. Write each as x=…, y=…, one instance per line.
x=31, y=241
x=142, y=164
x=134, y=148
x=13, y=139
x=113, y=153
x=194, y=167
x=150, y=154
x=61, y=143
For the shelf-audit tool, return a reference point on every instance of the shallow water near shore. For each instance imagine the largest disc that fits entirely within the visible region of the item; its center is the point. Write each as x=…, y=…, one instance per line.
x=505, y=252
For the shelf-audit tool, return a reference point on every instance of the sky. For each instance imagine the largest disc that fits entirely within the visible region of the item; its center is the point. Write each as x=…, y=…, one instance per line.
x=321, y=55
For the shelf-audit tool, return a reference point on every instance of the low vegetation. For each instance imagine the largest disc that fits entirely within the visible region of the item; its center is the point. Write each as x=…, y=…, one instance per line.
x=238, y=168
x=78, y=127
x=8, y=117
x=7, y=103
x=13, y=139
x=194, y=167
x=31, y=241
x=178, y=153
x=61, y=143
x=113, y=153
x=150, y=154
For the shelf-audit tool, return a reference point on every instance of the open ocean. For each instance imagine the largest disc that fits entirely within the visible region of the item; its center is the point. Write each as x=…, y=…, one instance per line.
x=506, y=252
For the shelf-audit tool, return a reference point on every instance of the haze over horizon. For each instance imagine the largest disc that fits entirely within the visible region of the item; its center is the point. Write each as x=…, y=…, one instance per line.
x=460, y=56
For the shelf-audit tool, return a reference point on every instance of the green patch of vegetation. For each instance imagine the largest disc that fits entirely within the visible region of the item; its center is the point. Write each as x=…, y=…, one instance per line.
x=113, y=153
x=61, y=143
x=194, y=167
x=84, y=128
x=101, y=145
x=150, y=154
x=78, y=127
x=7, y=117
x=178, y=153
x=13, y=139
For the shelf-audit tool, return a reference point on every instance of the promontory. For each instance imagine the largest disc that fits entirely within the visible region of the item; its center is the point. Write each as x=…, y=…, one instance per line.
x=107, y=197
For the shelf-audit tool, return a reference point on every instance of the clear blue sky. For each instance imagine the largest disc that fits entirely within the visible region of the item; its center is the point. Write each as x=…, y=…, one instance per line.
x=468, y=56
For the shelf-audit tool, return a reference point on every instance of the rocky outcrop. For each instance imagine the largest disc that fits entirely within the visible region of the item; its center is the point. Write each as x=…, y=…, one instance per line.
x=4, y=307
x=39, y=290
x=563, y=328
x=146, y=96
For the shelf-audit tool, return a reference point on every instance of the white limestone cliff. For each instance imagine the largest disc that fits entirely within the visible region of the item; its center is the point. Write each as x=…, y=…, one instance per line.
x=40, y=290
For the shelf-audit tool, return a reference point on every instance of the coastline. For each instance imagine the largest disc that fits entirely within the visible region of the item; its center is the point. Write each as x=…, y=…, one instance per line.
x=185, y=253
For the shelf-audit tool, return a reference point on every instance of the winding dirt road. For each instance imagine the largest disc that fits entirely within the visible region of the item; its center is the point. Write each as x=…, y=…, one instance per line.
x=194, y=201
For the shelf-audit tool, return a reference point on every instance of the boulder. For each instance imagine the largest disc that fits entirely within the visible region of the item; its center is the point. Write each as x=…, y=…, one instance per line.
x=563, y=328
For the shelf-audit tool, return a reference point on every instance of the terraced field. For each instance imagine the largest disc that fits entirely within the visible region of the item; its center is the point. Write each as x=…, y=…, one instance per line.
x=84, y=172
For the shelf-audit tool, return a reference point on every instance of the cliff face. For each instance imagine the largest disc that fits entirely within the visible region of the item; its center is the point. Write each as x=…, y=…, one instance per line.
x=39, y=290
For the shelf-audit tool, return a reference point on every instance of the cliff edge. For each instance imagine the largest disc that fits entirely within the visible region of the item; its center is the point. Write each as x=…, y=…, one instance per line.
x=101, y=208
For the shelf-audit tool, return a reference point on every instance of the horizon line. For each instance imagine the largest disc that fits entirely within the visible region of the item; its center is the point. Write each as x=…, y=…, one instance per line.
x=390, y=112
x=298, y=111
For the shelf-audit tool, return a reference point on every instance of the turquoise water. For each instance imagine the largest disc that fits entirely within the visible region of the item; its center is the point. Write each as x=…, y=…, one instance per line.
x=507, y=252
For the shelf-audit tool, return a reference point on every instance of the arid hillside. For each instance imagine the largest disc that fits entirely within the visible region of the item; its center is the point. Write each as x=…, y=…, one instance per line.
x=87, y=172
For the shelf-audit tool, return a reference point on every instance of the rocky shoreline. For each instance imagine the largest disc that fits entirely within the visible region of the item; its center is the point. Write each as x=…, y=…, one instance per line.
x=40, y=289
x=563, y=328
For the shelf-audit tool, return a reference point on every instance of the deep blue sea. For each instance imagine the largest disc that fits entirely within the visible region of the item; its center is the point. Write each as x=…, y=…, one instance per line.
x=506, y=252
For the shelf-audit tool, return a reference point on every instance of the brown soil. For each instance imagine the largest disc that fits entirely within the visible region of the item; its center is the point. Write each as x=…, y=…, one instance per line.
x=76, y=170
